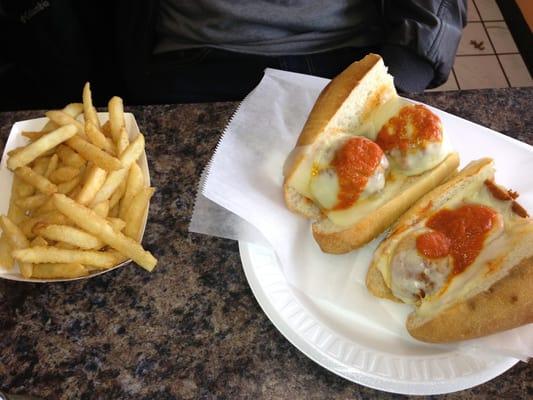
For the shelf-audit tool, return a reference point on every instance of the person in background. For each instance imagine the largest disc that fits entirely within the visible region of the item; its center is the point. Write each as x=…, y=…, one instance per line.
x=171, y=51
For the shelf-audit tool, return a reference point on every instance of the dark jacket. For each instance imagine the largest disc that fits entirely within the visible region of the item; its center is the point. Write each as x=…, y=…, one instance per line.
x=48, y=48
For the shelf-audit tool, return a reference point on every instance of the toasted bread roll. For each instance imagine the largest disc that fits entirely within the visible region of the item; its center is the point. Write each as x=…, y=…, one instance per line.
x=364, y=156
x=475, y=277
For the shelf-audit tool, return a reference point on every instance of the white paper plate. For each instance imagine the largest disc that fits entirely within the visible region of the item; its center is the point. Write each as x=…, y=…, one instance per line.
x=368, y=354
x=370, y=357
x=14, y=140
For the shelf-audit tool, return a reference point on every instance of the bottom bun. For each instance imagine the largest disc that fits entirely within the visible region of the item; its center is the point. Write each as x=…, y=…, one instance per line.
x=505, y=305
x=337, y=240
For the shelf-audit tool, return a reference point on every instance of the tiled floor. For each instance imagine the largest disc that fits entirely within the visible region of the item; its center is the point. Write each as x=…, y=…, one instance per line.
x=487, y=56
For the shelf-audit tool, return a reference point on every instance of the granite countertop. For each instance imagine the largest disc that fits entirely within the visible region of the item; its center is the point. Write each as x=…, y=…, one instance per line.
x=192, y=328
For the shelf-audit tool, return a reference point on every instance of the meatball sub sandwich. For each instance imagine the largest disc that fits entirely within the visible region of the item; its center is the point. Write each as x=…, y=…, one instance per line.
x=363, y=158
x=463, y=256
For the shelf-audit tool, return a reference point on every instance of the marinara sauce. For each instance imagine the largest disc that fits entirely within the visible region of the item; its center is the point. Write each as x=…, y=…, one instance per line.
x=354, y=163
x=459, y=233
x=412, y=128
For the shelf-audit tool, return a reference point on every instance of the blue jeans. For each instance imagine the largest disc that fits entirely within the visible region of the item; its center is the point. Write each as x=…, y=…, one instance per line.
x=206, y=74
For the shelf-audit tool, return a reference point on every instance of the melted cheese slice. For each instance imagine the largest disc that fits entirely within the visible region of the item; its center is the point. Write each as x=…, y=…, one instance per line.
x=490, y=265
x=327, y=187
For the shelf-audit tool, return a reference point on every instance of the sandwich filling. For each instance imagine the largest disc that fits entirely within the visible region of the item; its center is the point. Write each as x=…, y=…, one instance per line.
x=457, y=249
x=354, y=171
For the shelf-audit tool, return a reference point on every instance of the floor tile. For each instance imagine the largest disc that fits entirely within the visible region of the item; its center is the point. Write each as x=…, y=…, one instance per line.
x=516, y=70
x=489, y=10
x=479, y=72
x=450, y=84
x=471, y=12
x=501, y=37
x=474, y=40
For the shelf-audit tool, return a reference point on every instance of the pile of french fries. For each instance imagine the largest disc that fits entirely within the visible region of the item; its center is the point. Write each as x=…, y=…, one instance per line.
x=78, y=199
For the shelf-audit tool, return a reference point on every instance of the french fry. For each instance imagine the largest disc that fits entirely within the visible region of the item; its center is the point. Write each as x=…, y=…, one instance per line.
x=63, y=245
x=17, y=240
x=89, y=112
x=98, y=138
x=51, y=254
x=40, y=146
x=102, y=208
x=70, y=235
x=137, y=209
x=117, y=195
x=123, y=141
x=39, y=182
x=116, y=117
x=59, y=270
x=14, y=212
x=45, y=208
x=91, y=222
x=72, y=109
x=23, y=189
x=6, y=261
x=134, y=184
x=70, y=157
x=133, y=151
x=106, y=129
x=38, y=241
x=52, y=166
x=69, y=186
x=61, y=118
x=64, y=174
x=34, y=135
x=113, y=213
x=15, y=151
x=93, y=153
x=32, y=202
x=94, y=180
x=52, y=217
x=117, y=223
x=112, y=182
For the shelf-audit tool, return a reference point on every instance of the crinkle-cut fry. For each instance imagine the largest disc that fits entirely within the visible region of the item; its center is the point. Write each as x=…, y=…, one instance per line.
x=17, y=241
x=61, y=118
x=93, y=153
x=69, y=156
x=94, y=180
x=52, y=165
x=89, y=112
x=91, y=222
x=45, y=208
x=6, y=261
x=70, y=235
x=98, y=138
x=59, y=270
x=39, y=182
x=134, y=183
x=40, y=146
x=116, y=116
x=52, y=254
x=135, y=215
x=32, y=202
x=64, y=174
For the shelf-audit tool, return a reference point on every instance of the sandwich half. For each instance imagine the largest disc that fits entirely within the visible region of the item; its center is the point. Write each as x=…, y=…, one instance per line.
x=364, y=156
x=463, y=256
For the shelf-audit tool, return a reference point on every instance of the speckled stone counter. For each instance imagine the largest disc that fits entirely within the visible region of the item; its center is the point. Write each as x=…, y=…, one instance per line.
x=192, y=328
